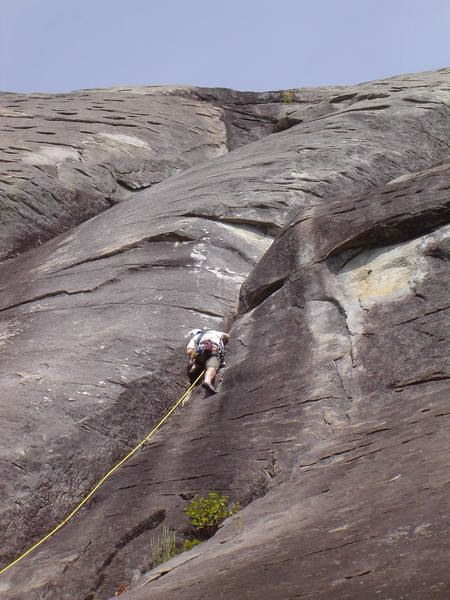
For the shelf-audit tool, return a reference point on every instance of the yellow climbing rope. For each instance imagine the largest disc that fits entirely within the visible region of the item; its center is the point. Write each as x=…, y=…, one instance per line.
x=103, y=479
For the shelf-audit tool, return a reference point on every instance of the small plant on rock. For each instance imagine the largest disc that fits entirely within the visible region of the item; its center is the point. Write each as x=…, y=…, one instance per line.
x=206, y=514
x=163, y=547
x=190, y=543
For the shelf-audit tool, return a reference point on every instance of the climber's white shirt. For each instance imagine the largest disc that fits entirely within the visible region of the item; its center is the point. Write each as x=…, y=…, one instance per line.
x=214, y=336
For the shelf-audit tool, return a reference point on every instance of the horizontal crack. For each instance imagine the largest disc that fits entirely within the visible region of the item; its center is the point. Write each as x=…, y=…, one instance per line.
x=328, y=549
x=436, y=377
x=265, y=228
x=257, y=412
x=58, y=293
x=112, y=437
x=162, y=237
x=165, y=572
x=193, y=477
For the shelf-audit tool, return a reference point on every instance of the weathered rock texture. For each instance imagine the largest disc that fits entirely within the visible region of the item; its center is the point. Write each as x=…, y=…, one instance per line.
x=68, y=157
x=324, y=247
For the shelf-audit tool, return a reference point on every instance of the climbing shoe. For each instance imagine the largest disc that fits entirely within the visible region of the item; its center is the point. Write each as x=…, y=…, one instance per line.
x=208, y=387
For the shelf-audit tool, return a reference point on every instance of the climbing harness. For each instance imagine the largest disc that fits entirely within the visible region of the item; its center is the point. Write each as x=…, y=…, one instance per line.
x=205, y=349
x=110, y=472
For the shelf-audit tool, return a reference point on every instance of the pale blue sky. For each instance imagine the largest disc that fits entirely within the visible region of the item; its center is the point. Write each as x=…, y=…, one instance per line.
x=62, y=45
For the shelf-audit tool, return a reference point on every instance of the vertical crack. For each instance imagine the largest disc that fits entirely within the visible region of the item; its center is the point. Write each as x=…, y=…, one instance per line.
x=340, y=378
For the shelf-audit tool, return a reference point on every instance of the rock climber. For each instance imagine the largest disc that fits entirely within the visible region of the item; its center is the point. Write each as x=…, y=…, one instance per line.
x=206, y=350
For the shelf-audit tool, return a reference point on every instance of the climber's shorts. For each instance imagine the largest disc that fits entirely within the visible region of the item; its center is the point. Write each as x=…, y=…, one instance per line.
x=213, y=362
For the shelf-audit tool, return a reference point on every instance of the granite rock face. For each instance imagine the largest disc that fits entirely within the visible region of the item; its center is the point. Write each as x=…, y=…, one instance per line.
x=68, y=157
x=324, y=248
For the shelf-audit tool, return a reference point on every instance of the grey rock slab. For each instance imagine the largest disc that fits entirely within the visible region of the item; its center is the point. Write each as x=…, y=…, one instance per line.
x=92, y=345
x=67, y=157
x=355, y=503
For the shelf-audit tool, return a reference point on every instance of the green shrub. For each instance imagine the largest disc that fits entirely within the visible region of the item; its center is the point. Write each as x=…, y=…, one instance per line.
x=206, y=514
x=190, y=543
x=163, y=547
